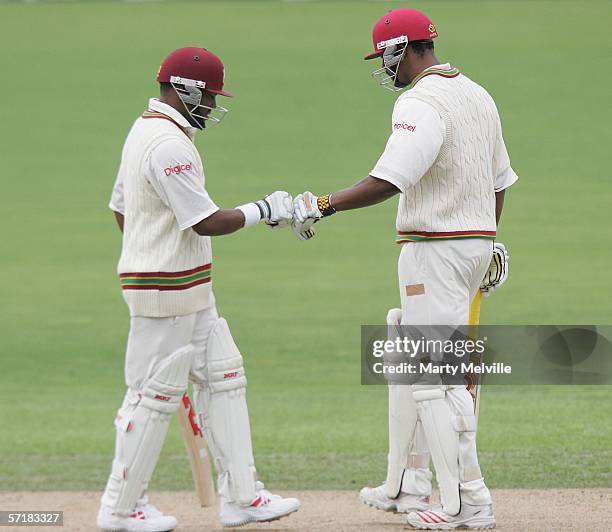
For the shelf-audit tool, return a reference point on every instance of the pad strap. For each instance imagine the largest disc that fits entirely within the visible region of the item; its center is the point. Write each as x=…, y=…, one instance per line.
x=418, y=461
x=163, y=392
x=225, y=375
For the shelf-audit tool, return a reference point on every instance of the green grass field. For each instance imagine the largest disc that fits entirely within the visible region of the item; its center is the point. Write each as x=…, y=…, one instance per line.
x=306, y=115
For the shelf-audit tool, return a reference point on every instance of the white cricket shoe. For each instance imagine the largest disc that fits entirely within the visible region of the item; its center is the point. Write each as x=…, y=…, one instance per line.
x=405, y=503
x=469, y=517
x=146, y=518
x=266, y=507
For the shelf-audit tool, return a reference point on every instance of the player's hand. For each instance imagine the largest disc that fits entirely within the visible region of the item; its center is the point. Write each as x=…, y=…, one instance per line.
x=305, y=208
x=498, y=270
x=394, y=316
x=277, y=209
x=304, y=231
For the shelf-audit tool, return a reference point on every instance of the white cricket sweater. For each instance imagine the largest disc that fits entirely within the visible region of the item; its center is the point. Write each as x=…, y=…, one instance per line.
x=165, y=267
x=453, y=193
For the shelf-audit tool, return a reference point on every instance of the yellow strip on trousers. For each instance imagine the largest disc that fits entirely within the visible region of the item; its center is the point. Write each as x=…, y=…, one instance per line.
x=473, y=333
x=475, y=312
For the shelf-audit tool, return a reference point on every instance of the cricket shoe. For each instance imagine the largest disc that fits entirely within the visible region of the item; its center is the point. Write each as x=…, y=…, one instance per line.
x=146, y=518
x=266, y=507
x=405, y=503
x=148, y=509
x=474, y=517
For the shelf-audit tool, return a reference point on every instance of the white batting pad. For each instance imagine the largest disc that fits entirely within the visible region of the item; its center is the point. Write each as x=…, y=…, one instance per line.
x=461, y=403
x=439, y=425
x=142, y=423
x=222, y=410
x=402, y=424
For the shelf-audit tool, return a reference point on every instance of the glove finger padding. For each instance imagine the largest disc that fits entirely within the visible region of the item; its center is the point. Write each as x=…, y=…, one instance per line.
x=312, y=208
x=299, y=209
x=304, y=231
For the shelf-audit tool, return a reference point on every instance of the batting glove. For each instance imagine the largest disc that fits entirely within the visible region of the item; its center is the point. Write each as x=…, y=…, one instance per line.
x=394, y=316
x=305, y=207
x=276, y=209
x=498, y=270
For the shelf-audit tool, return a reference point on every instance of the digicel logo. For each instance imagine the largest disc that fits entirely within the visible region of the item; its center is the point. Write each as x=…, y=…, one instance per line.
x=177, y=169
x=403, y=125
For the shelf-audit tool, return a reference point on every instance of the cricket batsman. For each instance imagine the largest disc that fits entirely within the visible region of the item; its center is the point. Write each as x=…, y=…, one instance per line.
x=447, y=160
x=167, y=218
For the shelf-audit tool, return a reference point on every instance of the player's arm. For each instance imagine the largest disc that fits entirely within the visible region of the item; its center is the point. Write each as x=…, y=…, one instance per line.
x=308, y=208
x=120, y=219
x=369, y=191
x=276, y=209
x=505, y=176
x=414, y=144
x=222, y=222
x=499, y=204
x=117, y=202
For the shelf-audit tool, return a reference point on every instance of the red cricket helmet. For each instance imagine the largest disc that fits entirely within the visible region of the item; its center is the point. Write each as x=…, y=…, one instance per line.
x=401, y=26
x=195, y=64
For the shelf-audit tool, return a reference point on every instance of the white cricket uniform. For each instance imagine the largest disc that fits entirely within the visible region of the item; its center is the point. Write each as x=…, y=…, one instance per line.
x=447, y=156
x=165, y=271
x=165, y=267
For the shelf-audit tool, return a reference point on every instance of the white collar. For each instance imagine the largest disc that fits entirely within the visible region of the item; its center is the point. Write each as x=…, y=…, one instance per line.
x=171, y=112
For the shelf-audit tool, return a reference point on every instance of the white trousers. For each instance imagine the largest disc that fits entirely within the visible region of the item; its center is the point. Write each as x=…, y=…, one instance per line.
x=439, y=279
x=437, y=282
x=151, y=340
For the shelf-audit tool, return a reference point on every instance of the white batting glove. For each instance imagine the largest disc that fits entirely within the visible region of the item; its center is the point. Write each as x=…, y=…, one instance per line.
x=307, y=210
x=394, y=316
x=305, y=214
x=305, y=207
x=277, y=209
x=498, y=270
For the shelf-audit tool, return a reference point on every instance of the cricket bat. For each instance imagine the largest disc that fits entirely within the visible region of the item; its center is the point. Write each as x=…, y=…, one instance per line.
x=472, y=380
x=197, y=453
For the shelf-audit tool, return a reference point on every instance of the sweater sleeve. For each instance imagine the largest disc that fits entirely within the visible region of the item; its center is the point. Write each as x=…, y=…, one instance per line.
x=176, y=177
x=416, y=138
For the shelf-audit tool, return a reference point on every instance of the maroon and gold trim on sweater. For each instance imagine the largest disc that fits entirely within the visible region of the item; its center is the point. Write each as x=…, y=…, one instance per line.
x=182, y=280
x=419, y=236
x=453, y=72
